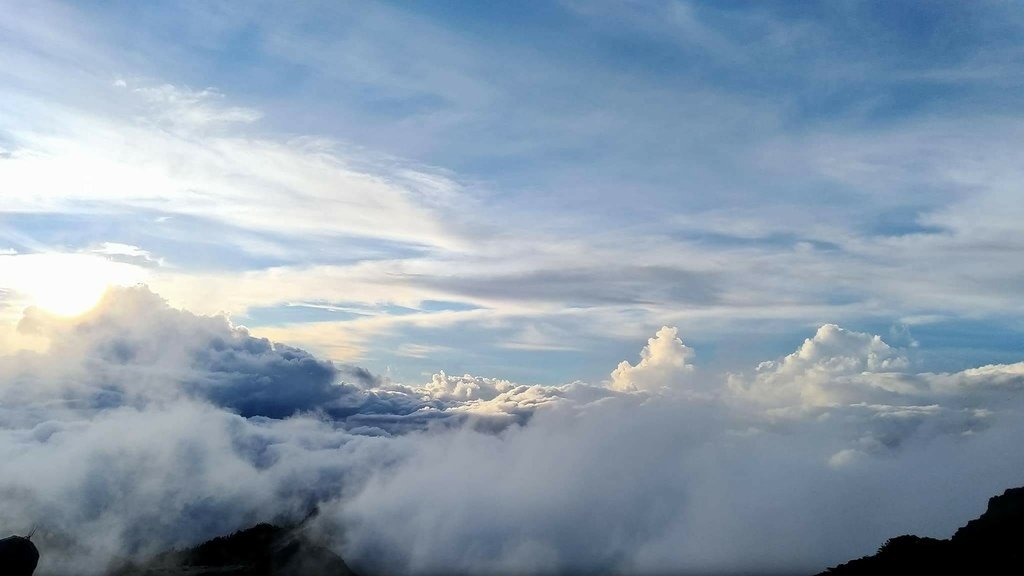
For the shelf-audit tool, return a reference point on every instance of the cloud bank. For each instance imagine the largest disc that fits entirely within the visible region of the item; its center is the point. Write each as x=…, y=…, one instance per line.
x=144, y=427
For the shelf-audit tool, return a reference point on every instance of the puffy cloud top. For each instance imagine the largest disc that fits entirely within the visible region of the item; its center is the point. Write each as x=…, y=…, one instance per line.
x=467, y=387
x=823, y=371
x=133, y=349
x=664, y=363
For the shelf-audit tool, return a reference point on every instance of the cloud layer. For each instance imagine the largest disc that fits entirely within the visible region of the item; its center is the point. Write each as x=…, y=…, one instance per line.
x=144, y=427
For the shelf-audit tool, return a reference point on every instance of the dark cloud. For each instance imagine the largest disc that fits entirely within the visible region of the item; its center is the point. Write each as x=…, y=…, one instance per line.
x=134, y=348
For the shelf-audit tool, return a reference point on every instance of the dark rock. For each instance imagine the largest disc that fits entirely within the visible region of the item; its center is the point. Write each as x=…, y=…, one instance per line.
x=18, y=556
x=263, y=550
x=992, y=544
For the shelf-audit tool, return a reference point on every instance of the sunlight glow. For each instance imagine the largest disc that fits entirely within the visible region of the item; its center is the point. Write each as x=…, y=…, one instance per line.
x=64, y=284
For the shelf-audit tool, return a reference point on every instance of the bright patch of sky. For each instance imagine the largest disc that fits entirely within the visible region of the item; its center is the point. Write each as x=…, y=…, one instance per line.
x=527, y=189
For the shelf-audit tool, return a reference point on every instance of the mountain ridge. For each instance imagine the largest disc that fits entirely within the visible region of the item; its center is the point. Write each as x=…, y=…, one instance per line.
x=992, y=543
x=261, y=550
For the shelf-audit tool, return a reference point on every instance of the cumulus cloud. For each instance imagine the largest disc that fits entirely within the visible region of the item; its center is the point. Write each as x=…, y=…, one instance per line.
x=664, y=362
x=857, y=383
x=143, y=427
x=823, y=371
x=443, y=386
x=134, y=349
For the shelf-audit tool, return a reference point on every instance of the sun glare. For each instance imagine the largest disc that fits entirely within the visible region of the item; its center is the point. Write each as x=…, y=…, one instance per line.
x=65, y=284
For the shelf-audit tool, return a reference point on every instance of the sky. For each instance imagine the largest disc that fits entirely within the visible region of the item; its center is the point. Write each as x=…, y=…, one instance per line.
x=411, y=248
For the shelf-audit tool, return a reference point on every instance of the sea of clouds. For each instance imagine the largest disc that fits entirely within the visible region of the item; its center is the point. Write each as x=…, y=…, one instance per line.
x=143, y=427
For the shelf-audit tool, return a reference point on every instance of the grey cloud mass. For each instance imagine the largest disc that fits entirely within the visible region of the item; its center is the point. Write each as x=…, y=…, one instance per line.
x=134, y=349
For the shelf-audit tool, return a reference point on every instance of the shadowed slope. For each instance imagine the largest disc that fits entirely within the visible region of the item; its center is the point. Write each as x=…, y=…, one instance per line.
x=990, y=544
x=263, y=550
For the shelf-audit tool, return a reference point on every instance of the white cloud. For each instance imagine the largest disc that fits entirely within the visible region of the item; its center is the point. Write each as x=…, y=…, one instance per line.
x=128, y=482
x=989, y=378
x=664, y=364
x=445, y=387
x=825, y=370
x=127, y=253
x=131, y=443
x=133, y=350
x=176, y=106
x=205, y=168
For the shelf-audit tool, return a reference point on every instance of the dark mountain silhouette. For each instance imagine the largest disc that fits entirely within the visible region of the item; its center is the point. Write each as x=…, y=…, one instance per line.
x=992, y=544
x=18, y=556
x=263, y=550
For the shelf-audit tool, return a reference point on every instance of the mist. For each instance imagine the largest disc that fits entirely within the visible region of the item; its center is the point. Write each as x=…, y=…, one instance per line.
x=143, y=428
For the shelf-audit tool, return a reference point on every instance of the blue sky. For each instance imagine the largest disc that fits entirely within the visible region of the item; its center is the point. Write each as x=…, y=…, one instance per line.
x=525, y=190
